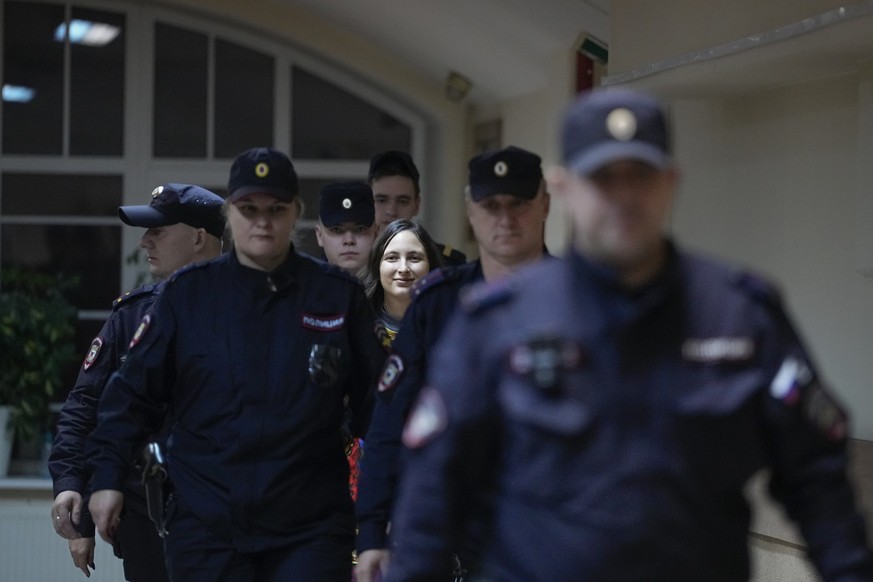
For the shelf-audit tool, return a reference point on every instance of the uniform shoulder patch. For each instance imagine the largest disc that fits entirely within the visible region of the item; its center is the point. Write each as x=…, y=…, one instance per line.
x=137, y=293
x=93, y=352
x=452, y=256
x=481, y=296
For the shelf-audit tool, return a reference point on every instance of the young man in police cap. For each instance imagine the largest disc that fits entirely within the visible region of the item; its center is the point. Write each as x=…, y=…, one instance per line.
x=346, y=229
x=507, y=206
x=638, y=388
x=184, y=224
x=394, y=179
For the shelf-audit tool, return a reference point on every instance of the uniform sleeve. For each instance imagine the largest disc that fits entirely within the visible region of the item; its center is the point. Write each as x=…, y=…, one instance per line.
x=78, y=415
x=808, y=432
x=367, y=359
x=449, y=440
x=401, y=381
x=135, y=399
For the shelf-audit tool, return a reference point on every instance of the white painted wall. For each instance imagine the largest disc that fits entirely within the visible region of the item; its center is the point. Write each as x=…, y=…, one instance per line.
x=771, y=181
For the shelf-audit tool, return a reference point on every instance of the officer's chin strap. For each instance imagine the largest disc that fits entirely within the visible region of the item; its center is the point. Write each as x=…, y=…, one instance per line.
x=458, y=570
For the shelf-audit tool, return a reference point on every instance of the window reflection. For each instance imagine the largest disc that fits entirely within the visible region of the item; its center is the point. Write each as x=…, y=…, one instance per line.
x=180, y=92
x=330, y=123
x=32, y=59
x=97, y=87
x=244, y=88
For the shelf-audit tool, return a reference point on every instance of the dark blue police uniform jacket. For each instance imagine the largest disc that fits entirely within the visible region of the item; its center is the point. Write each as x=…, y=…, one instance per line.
x=78, y=416
x=618, y=430
x=434, y=300
x=256, y=370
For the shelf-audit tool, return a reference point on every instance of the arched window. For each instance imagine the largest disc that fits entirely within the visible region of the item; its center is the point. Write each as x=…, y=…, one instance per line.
x=103, y=101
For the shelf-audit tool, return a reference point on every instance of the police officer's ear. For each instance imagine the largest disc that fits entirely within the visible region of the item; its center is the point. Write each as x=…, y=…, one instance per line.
x=547, y=199
x=200, y=235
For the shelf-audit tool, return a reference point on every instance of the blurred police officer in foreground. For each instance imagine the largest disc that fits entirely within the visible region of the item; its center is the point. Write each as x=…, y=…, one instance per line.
x=507, y=206
x=394, y=179
x=346, y=229
x=254, y=356
x=634, y=389
x=184, y=224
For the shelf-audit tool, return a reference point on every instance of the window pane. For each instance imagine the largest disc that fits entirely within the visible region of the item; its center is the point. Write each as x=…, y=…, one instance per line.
x=243, y=99
x=33, y=61
x=180, y=92
x=52, y=194
x=331, y=123
x=97, y=85
x=93, y=253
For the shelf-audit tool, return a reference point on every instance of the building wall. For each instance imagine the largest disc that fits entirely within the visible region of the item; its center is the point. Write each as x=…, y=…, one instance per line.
x=645, y=32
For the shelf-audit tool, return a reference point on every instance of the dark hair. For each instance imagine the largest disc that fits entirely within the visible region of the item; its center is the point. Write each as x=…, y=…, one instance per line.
x=372, y=281
x=394, y=163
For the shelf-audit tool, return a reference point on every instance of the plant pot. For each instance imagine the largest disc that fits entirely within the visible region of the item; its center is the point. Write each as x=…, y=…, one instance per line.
x=6, y=439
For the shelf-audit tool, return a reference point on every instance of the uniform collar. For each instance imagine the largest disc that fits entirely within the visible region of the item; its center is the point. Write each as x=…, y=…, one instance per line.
x=606, y=282
x=278, y=279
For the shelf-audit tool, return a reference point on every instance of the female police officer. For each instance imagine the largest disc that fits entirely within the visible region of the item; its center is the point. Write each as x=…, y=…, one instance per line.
x=253, y=356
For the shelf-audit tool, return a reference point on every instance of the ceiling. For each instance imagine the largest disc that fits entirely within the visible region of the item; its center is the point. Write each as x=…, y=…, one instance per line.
x=504, y=47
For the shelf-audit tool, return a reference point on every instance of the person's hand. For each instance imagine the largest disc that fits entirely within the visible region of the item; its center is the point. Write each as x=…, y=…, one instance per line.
x=66, y=513
x=105, y=507
x=372, y=565
x=82, y=552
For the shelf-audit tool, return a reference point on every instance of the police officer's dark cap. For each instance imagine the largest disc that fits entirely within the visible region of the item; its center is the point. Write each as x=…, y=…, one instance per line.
x=393, y=163
x=175, y=203
x=341, y=202
x=262, y=171
x=608, y=125
x=511, y=170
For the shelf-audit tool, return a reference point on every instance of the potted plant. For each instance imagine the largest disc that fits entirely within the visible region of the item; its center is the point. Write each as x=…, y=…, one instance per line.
x=36, y=345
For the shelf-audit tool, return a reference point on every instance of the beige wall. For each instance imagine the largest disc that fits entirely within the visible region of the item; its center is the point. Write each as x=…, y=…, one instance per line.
x=771, y=182
x=645, y=32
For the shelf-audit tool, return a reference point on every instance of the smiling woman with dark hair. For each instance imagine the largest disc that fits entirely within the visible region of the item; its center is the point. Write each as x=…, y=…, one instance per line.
x=403, y=253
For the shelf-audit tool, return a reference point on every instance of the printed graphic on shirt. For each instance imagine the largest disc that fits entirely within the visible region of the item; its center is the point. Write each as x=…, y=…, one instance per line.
x=93, y=352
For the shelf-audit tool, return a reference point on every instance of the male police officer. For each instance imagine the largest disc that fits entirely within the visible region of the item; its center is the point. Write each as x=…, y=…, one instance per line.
x=636, y=389
x=346, y=229
x=184, y=224
x=507, y=206
x=396, y=191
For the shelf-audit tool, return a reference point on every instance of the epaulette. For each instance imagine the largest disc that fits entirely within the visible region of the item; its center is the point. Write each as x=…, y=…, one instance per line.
x=133, y=294
x=187, y=269
x=434, y=279
x=481, y=296
x=757, y=287
x=452, y=256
